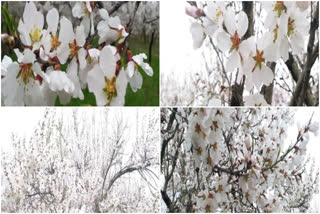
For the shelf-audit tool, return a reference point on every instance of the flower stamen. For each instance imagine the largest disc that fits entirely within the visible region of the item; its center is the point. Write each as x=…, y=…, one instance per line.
x=110, y=90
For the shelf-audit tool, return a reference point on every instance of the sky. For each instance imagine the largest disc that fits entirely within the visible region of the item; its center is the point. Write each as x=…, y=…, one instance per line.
x=176, y=40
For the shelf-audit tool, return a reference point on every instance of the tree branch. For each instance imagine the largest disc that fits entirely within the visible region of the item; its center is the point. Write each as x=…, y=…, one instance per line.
x=300, y=91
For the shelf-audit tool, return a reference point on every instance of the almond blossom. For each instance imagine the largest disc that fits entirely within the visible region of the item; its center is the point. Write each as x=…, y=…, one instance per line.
x=108, y=88
x=255, y=68
x=31, y=26
x=84, y=10
x=135, y=78
x=110, y=29
x=230, y=42
x=22, y=80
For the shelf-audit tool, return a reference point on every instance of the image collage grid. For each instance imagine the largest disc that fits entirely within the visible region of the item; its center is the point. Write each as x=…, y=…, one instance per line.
x=94, y=120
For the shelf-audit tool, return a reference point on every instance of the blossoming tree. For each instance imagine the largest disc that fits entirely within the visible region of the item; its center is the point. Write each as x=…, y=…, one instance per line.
x=254, y=53
x=84, y=160
x=55, y=58
x=236, y=160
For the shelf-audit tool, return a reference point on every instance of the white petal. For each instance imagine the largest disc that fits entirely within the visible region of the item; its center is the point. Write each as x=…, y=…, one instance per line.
x=78, y=10
x=12, y=91
x=210, y=27
x=66, y=34
x=24, y=34
x=104, y=14
x=94, y=53
x=63, y=53
x=89, y=6
x=145, y=66
x=224, y=42
x=270, y=53
x=46, y=42
x=53, y=20
x=29, y=11
x=37, y=69
x=82, y=54
x=263, y=76
x=19, y=55
x=297, y=43
x=242, y=24
x=197, y=34
x=284, y=49
x=255, y=100
x=72, y=73
x=59, y=81
x=43, y=54
x=92, y=24
x=96, y=79
x=96, y=83
x=121, y=86
x=136, y=81
x=230, y=21
x=80, y=36
x=233, y=61
x=108, y=61
x=6, y=61
x=28, y=56
x=130, y=68
x=102, y=28
x=86, y=23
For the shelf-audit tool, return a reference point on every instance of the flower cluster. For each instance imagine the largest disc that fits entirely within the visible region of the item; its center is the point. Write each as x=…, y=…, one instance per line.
x=240, y=160
x=260, y=162
x=284, y=29
x=37, y=77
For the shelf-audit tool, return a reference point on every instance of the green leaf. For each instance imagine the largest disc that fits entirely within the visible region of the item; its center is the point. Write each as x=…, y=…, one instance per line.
x=95, y=42
x=8, y=19
x=64, y=66
x=269, y=164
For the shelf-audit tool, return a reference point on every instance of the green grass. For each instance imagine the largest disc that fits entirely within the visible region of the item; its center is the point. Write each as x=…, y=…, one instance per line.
x=148, y=95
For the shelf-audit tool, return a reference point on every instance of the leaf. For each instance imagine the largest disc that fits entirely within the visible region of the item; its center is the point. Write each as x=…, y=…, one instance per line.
x=8, y=19
x=64, y=66
x=269, y=164
x=95, y=42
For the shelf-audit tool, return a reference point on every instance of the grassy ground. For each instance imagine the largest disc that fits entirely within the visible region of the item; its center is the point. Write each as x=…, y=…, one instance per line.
x=148, y=95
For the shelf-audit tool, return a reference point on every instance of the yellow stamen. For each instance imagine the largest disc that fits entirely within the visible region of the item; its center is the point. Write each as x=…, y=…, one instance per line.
x=110, y=90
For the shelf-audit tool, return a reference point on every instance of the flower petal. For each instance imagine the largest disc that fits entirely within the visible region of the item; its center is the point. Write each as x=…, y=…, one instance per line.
x=136, y=81
x=233, y=61
x=52, y=20
x=242, y=24
x=104, y=14
x=130, y=69
x=230, y=21
x=82, y=54
x=80, y=36
x=108, y=61
x=224, y=41
x=197, y=34
x=78, y=10
x=145, y=66
x=66, y=34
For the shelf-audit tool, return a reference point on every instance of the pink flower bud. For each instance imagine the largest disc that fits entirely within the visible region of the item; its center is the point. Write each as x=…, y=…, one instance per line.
x=193, y=11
